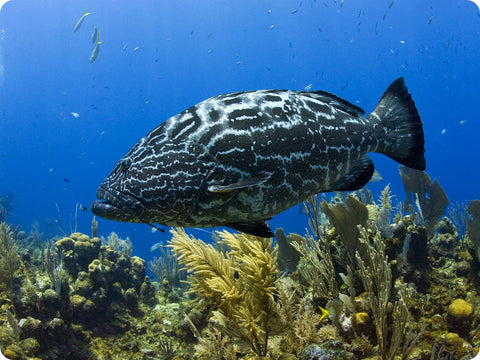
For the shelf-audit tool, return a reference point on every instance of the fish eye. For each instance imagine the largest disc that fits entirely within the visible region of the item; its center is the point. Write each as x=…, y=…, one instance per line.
x=126, y=164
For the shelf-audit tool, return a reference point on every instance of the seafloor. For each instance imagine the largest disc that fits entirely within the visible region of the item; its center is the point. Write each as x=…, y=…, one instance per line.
x=369, y=282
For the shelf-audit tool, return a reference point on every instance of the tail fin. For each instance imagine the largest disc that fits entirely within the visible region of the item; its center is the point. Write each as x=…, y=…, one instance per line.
x=401, y=127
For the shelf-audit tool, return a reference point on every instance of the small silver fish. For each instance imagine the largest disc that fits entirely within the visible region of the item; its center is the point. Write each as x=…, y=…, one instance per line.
x=94, y=34
x=376, y=176
x=95, y=51
x=80, y=21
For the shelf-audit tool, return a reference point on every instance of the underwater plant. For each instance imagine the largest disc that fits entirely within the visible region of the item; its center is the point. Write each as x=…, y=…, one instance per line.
x=458, y=214
x=9, y=258
x=115, y=243
x=94, y=227
x=166, y=269
x=473, y=225
x=376, y=277
x=316, y=218
x=345, y=218
x=383, y=218
x=167, y=347
x=318, y=270
x=428, y=197
x=241, y=283
x=54, y=266
x=5, y=205
x=288, y=256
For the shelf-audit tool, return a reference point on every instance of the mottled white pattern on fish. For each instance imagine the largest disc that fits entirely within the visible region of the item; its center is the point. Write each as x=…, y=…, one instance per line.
x=238, y=159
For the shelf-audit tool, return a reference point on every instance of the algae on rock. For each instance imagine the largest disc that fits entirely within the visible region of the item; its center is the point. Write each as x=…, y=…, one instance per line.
x=241, y=283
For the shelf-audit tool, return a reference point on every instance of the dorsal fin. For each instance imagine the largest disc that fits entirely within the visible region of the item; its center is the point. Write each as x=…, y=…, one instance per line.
x=336, y=102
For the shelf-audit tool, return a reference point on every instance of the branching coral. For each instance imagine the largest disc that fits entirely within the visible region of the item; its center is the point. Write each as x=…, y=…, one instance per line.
x=166, y=269
x=241, y=284
x=458, y=214
x=298, y=318
x=384, y=213
x=319, y=271
x=377, y=280
x=315, y=216
x=114, y=242
x=9, y=258
x=54, y=266
x=214, y=346
x=376, y=277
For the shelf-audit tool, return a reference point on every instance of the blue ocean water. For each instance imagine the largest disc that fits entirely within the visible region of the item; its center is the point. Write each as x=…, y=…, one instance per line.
x=159, y=57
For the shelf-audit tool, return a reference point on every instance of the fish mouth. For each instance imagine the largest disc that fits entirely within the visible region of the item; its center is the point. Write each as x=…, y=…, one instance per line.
x=116, y=205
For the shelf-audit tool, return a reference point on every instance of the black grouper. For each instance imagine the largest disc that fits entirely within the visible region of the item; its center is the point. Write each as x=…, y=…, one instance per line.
x=238, y=159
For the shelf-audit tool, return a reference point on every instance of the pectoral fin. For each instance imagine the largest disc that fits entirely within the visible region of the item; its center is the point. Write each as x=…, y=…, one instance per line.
x=257, y=228
x=257, y=179
x=358, y=176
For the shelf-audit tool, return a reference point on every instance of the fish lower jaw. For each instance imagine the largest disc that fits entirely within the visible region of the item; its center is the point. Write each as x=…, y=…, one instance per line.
x=106, y=210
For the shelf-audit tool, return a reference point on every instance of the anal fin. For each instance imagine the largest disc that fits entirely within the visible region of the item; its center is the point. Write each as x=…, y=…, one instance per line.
x=256, y=228
x=358, y=176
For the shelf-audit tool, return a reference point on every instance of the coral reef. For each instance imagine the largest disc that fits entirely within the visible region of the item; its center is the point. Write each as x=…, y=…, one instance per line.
x=371, y=282
x=86, y=288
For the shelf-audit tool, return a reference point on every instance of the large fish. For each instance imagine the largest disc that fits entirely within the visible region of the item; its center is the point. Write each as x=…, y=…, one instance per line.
x=238, y=159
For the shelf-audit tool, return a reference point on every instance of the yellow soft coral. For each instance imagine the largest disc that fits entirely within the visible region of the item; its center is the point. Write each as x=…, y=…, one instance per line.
x=241, y=283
